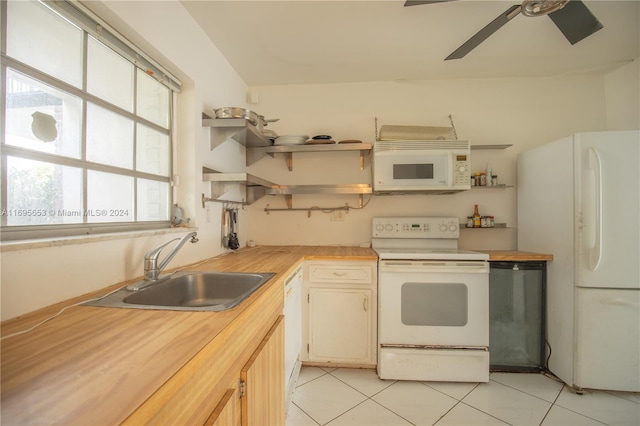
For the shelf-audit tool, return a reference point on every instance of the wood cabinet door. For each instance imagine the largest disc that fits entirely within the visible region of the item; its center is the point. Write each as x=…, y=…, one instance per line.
x=340, y=325
x=226, y=413
x=263, y=378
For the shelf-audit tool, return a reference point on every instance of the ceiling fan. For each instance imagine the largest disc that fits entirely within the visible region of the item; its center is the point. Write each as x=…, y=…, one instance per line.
x=571, y=17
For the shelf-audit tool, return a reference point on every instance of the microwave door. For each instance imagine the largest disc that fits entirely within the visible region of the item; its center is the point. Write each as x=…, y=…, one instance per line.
x=413, y=170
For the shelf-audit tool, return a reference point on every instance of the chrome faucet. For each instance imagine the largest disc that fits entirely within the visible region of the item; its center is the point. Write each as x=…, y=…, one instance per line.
x=152, y=269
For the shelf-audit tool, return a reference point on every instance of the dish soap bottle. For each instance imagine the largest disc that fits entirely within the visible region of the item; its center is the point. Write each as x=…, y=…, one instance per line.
x=476, y=217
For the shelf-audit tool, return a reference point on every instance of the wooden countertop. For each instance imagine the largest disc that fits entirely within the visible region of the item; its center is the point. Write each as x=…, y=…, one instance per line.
x=93, y=365
x=516, y=256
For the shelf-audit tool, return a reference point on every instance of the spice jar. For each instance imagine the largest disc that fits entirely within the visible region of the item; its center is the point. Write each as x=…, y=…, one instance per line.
x=494, y=180
x=484, y=222
x=469, y=221
x=483, y=179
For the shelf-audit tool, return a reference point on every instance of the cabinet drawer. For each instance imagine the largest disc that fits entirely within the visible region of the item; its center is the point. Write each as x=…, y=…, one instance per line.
x=358, y=274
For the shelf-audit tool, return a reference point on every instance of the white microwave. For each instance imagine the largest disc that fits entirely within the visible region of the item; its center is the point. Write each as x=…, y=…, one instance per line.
x=440, y=166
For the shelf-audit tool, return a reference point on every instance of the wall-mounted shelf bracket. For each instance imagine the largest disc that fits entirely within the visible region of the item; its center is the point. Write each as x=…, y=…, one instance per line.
x=221, y=183
x=289, y=150
x=239, y=130
x=206, y=199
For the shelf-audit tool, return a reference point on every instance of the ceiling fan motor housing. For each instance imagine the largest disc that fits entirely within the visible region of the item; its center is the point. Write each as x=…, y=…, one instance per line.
x=541, y=7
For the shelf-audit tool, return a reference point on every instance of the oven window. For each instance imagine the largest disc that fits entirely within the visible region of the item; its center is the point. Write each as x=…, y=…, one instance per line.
x=434, y=304
x=413, y=171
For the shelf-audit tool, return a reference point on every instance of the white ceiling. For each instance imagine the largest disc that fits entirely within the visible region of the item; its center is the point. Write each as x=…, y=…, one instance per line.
x=306, y=42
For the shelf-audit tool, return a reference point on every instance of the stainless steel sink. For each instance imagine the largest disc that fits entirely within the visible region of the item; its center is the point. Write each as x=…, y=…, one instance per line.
x=189, y=291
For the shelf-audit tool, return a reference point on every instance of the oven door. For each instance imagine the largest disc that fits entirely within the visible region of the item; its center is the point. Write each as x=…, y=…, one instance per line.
x=433, y=303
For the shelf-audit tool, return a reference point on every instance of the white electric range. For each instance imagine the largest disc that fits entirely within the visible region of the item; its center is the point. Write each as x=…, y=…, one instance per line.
x=433, y=301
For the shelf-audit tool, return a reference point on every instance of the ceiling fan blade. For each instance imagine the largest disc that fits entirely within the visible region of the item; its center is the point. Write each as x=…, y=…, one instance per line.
x=419, y=2
x=575, y=21
x=484, y=33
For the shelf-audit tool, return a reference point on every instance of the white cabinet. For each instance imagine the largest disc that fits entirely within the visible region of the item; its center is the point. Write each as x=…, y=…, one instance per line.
x=340, y=316
x=339, y=325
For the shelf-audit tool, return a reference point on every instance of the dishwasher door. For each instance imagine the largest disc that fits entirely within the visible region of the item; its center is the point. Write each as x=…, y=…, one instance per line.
x=292, y=328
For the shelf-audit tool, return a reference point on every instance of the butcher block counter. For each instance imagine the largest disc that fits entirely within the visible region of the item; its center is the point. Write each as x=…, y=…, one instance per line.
x=516, y=256
x=95, y=365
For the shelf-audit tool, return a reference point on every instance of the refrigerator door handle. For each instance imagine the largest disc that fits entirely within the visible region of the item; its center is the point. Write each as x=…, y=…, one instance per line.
x=592, y=231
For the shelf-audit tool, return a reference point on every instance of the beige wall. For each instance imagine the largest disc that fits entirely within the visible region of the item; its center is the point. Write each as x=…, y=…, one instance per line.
x=623, y=97
x=522, y=112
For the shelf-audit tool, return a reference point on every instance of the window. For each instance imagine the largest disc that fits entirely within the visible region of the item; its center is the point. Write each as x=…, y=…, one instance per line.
x=86, y=119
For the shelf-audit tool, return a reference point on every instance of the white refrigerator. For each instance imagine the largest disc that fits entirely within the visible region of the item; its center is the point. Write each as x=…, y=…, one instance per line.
x=579, y=199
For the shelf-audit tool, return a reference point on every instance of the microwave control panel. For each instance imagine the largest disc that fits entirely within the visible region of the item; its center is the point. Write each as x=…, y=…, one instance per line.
x=461, y=173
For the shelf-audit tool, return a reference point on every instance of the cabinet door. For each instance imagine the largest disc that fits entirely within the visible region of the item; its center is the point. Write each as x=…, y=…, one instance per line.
x=263, y=378
x=340, y=326
x=226, y=413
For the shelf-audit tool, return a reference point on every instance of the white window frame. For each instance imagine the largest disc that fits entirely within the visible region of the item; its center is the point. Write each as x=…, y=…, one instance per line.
x=94, y=26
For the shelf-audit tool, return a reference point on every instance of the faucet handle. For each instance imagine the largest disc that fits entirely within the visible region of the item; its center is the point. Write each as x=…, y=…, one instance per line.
x=154, y=253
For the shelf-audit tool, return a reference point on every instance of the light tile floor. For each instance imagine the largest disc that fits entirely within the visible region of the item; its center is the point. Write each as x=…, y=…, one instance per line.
x=345, y=396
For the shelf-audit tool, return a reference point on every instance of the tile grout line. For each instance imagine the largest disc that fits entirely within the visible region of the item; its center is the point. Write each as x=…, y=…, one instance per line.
x=488, y=414
x=450, y=396
x=569, y=409
x=552, y=404
x=324, y=373
x=307, y=414
x=390, y=410
x=527, y=393
x=342, y=381
x=461, y=401
x=370, y=398
x=458, y=401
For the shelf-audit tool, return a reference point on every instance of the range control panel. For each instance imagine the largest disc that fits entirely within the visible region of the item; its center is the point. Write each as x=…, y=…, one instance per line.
x=415, y=227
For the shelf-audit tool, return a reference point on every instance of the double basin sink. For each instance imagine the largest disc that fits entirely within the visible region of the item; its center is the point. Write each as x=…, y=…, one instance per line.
x=188, y=291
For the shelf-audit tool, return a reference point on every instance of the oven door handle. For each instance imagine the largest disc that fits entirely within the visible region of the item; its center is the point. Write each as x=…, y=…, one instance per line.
x=466, y=267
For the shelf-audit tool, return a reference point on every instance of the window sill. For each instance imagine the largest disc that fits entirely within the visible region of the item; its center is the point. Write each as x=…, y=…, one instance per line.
x=7, y=246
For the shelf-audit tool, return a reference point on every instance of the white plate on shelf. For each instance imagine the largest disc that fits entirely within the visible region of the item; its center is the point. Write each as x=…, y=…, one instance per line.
x=291, y=140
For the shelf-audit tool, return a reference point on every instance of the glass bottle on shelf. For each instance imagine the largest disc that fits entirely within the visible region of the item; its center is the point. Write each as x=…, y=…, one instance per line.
x=476, y=217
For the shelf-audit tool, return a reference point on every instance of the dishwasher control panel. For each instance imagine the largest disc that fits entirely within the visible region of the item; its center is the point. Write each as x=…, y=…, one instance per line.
x=415, y=227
